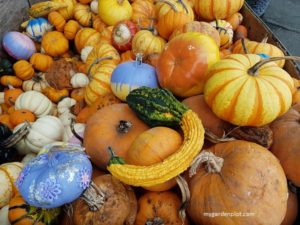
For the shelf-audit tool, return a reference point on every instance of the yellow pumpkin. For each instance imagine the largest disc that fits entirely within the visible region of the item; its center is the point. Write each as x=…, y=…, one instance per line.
x=54, y=43
x=71, y=28
x=86, y=37
x=23, y=69
x=57, y=20
x=247, y=96
x=41, y=61
x=67, y=12
x=83, y=15
x=114, y=11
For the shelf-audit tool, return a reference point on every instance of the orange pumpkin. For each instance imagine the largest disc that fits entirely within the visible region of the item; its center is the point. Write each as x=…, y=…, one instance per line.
x=152, y=59
x=11, y=95
x=84, y=114
x=113, y=126
x=240, y=32
x=98, y=24
x=20, y=116
x=262, y=195
x=127, y=56
x=235, y=20
x=5, y=119
x=159, y=208
x=54, y=43
x=55, y=95
x=11, y=80
x=71, y=28
x=41, y=62
x=83, y=15
x=143, y=13
x=86, y=37
x=23, y=69
x=57, y=20
x=183, y=65
x=106, y=35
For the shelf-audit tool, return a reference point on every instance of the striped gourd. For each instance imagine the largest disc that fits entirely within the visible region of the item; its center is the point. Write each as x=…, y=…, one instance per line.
x=245, y=93
x=158, y=107
x=86, y=37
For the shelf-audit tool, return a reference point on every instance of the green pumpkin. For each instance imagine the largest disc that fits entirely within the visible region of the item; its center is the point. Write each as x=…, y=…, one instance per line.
x=5, y=67
x=156, y=107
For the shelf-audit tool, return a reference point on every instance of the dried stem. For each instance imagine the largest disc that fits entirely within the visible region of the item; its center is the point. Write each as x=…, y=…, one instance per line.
x=185, y=194
x=94, y=197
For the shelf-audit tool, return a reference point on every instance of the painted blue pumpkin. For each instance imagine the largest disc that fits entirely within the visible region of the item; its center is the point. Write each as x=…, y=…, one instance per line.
x=131, y=75
x=18, y=45
x=37, y=27
x=56, y=177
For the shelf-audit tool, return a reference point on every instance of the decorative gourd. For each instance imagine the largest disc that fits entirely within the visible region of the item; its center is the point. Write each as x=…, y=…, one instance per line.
x=86, y=37
x=196, y=26
x=94, y=6
x=211, y=9
x=20, y=116
x=147, y=42
x=23, y=69
x=123, y=34
x=20, y=212
x=55, y=95
x=79, y=80
x=225, y=31
x=98, y=24
x=42, y=182
x=54, y=43
x=65, y=105
x=71, y=28
x=66, y=119
x=18, y=45
x=5, y=66
x=118, y=126
x=14, y=81
x=106, y=35
x=35, y=102
x=9, y=173
x=292, y=210
x=37, y=27
x=41, y=62
x=255, y=94
x=172, y=14
x=131, y=75
x=68, y=11
x=219, y=169
x=159, y=208
x=143, y=13
x=37, y=83
x=85, y=53
x=114, y=11
x=11, y=95
x=57, y=20
x=83, y=15
x=235, y=20
x=183, y=65
x=158, y=107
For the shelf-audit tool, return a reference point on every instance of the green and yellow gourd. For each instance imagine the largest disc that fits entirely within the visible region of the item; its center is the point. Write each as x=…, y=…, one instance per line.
x=158, y=107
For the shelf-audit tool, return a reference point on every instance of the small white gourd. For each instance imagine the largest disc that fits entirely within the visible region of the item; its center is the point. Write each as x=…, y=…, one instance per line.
x=94, y=6
x=65, y=104
x=79, y=80
x=85, y=53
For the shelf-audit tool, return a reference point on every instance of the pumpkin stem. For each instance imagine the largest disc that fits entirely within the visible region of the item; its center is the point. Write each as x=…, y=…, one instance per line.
x=139, y=58
x=155, y=221
x=96, y=61
x=214, y=164
x=265, y=40
x=183, y=5
x=120, y=2
x=114, y=159
x=168, y=3
x=37, y=78
x=124, y=126
x=244, y=46
x=74, y=132
x=186, y=196
x=215, y=139
x=254, y=69
x=94, y=197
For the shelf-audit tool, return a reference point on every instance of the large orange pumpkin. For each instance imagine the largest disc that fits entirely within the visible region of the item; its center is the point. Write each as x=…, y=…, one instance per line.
x=114, y=126
x=183, y=65
x=237, y=177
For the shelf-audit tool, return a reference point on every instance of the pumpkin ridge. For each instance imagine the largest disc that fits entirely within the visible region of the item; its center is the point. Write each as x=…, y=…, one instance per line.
x=237, y=60
x=258, y=107
x=228, y=7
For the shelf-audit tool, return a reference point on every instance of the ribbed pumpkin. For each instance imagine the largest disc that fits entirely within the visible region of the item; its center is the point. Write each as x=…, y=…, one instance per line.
x=11, y=80
x=261, y=196
x=225, y=31
x=55, y=95
x=71, y=28
x=246, y=97
x=83, y=15
x=106, y=35
x=172, y=14
x=37, y=83
x=215, y=9
x=102, y=60
x=11, y=95
x=143, y=13
x=23, y=69
x=67, y=12
x=86, y=37
x=20, y=116
x=57, y=20
x=183, y=65
x=41, y=62
x=98, y=24
x=54, y=43
x=114, y=126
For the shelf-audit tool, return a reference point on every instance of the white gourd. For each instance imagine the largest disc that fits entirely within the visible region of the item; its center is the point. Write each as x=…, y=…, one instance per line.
x=37, y=83
x=65, y=104
x=79, y=80
x=94, y=6
x=4, y=215
x=85, y=52
x=78, y=127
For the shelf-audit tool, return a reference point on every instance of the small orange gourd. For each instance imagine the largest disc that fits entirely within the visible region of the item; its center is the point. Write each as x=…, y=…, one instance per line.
x=57, y=20
x=20, y=116
x=11, y=80
x=71, y=28
x=98, y=24
x=55, y=95
x=23, y=69
x=11, y=95
x=41, y=61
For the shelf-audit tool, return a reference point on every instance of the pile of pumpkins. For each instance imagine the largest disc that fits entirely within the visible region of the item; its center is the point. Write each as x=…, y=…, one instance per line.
x=88, y=104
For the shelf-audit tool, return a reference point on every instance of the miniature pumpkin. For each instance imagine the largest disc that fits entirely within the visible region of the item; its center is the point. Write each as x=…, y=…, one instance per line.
x=41, y=62
x=37, y=27
x=23, y=70
x=117, y=126
x=9, y=173
x=37, y=83
x=106, y=35
x=68, y=11
x=35, y=102
x=143, y=13
x=98, y=24
x=211, y=9
x=83, y=15
x=20, y=116
x=54, y=43
x=219, y=168
x=57, y=20
x=114, y=11
x=235, y=20
x=183, y=65
x=94, y=6
x=11, y=80
x=11, y=95
x=225, y=31
x=159, y=208
x=252, y=96
x=86, y=37
x=55, y=95
x=71, y=28
x=79, y=80
x=127, y=56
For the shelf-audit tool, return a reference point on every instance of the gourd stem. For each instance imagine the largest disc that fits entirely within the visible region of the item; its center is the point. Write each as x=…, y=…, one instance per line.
x=244, y=46
x=215, y=139
x=120, y=2
x=114, y=159
x=214, y=164
x=155, y=221
x=253, y=70
x=185, y=194
x=265, y=39
x=94, y=197
x=168, y=3
x=74, y=132
x=124, y=126
x=96, y=61
x=139, y=58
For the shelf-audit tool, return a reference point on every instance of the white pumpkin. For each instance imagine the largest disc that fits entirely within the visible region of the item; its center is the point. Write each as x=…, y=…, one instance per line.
x=65, y=104
x=35, y=102
x=68, y=134
x=85, y=52
x=37, y=83
x=43, y=131
x=79, y=80
x=94, y=6
x=9, y=173
x=4, y=215
x=2, y=97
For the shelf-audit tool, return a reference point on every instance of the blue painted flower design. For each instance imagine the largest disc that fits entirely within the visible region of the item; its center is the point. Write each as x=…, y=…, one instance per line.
x=22, y=176
x=40, y=159
x=48, y=191
x=84, y=177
